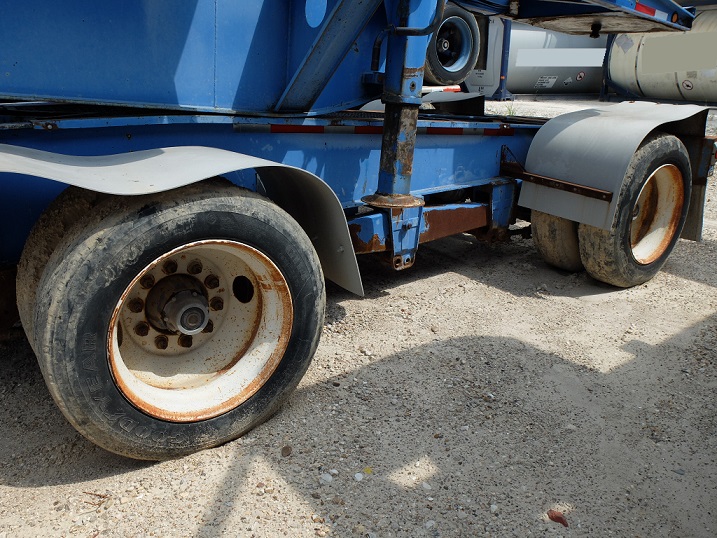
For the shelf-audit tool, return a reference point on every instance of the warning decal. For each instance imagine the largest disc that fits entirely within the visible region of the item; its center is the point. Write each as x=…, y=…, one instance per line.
x=545, y=82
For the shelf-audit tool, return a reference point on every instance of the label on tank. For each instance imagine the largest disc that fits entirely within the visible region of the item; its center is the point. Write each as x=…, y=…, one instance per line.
x=545, y=82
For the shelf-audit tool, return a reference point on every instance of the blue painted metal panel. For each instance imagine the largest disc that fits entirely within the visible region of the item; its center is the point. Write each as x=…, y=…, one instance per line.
x=251, y=62
x=347, y=162
x=224, y=55
x=203, y=55
x=503, y=197
x=325, y=54
x=154, y=53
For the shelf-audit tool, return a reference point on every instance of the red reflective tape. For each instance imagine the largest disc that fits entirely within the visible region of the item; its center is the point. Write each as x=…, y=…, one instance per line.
x=444, y=130
x=504, y=131
x=647, y=10
x=297, y=129
x=368, y=130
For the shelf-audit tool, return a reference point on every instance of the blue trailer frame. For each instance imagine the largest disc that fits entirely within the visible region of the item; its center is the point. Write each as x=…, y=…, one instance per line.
x=148, y=103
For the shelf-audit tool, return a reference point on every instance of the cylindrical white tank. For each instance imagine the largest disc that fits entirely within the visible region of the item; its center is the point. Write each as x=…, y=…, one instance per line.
x=542, y=61
x=668, y=65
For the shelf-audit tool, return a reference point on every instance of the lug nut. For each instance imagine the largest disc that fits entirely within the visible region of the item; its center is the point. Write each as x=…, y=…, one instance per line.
x=194, y=267
x=141, y=329
x=209, y=328
x=211, y=282
x=147, y=281
x=185, y=340
x=170, y=267
x=161, y=342
x=136, y=305
x=217, y=303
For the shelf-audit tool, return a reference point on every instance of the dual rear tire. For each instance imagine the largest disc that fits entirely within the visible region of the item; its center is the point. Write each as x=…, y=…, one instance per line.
x=651, y=212
x=166, y=324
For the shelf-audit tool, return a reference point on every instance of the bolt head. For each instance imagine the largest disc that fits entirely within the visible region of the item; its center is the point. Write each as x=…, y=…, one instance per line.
x=141, y=329
x=185, y=340
x=161, y=342
x=195, y=267
x=170, y=267
x=136, y=305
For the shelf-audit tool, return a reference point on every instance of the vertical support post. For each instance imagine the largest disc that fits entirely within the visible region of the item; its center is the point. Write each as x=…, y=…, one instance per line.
x=411, y=23
x=397, y=147
x=502, y=93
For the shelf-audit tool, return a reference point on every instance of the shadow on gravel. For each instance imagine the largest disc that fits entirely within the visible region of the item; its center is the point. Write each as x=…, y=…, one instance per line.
x=514, y=267
x=39, y=448
x=455, y=434
x=490, y=427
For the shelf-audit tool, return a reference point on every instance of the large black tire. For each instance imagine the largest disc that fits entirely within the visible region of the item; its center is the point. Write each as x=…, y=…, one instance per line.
x=251, y=304
x=651, y=211
x=556, y=239
x=454, y=48
x=58, y=219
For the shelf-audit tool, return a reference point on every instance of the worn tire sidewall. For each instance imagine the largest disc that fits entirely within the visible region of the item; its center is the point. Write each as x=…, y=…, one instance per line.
x=657, y=150
x=556, y=240
x=76, y=337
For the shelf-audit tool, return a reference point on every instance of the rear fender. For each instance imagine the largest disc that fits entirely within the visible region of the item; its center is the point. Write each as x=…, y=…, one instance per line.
x=308, y=199
x=593, y=148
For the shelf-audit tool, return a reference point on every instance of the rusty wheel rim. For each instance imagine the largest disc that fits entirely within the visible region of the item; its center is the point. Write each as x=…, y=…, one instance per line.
x=656, y=214
x=200, y=330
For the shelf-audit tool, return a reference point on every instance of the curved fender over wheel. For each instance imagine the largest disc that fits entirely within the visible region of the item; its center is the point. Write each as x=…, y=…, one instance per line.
x=594, y=148
x=164, y=169
x=173, y=322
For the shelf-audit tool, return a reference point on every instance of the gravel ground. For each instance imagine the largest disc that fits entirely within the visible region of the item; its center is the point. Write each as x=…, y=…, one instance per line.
x=469, y=396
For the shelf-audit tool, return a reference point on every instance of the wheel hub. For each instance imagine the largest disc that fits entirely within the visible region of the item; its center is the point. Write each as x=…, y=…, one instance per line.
x=187, y=313
x=178, y=304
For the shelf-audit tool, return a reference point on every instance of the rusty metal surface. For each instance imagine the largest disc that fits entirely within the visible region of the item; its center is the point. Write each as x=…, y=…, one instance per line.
x=512, y=169
x=397, y=146
x=390, y=201
x=648, y=208
x=365, y=247
x=445, y=223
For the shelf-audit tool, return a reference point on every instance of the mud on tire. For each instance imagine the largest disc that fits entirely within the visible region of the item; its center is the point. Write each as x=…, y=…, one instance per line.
x=155, y=304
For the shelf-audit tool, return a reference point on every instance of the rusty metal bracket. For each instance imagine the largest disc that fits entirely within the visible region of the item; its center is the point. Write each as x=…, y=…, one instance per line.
x=515, y=170
x=405, y=233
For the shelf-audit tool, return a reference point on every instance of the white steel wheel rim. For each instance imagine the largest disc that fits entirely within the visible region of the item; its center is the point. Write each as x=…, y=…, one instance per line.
x=656, y=214
x=251, y=315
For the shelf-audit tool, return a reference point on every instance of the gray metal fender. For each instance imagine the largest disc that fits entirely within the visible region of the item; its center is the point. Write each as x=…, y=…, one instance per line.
x=593, y=148
x=310, y=201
